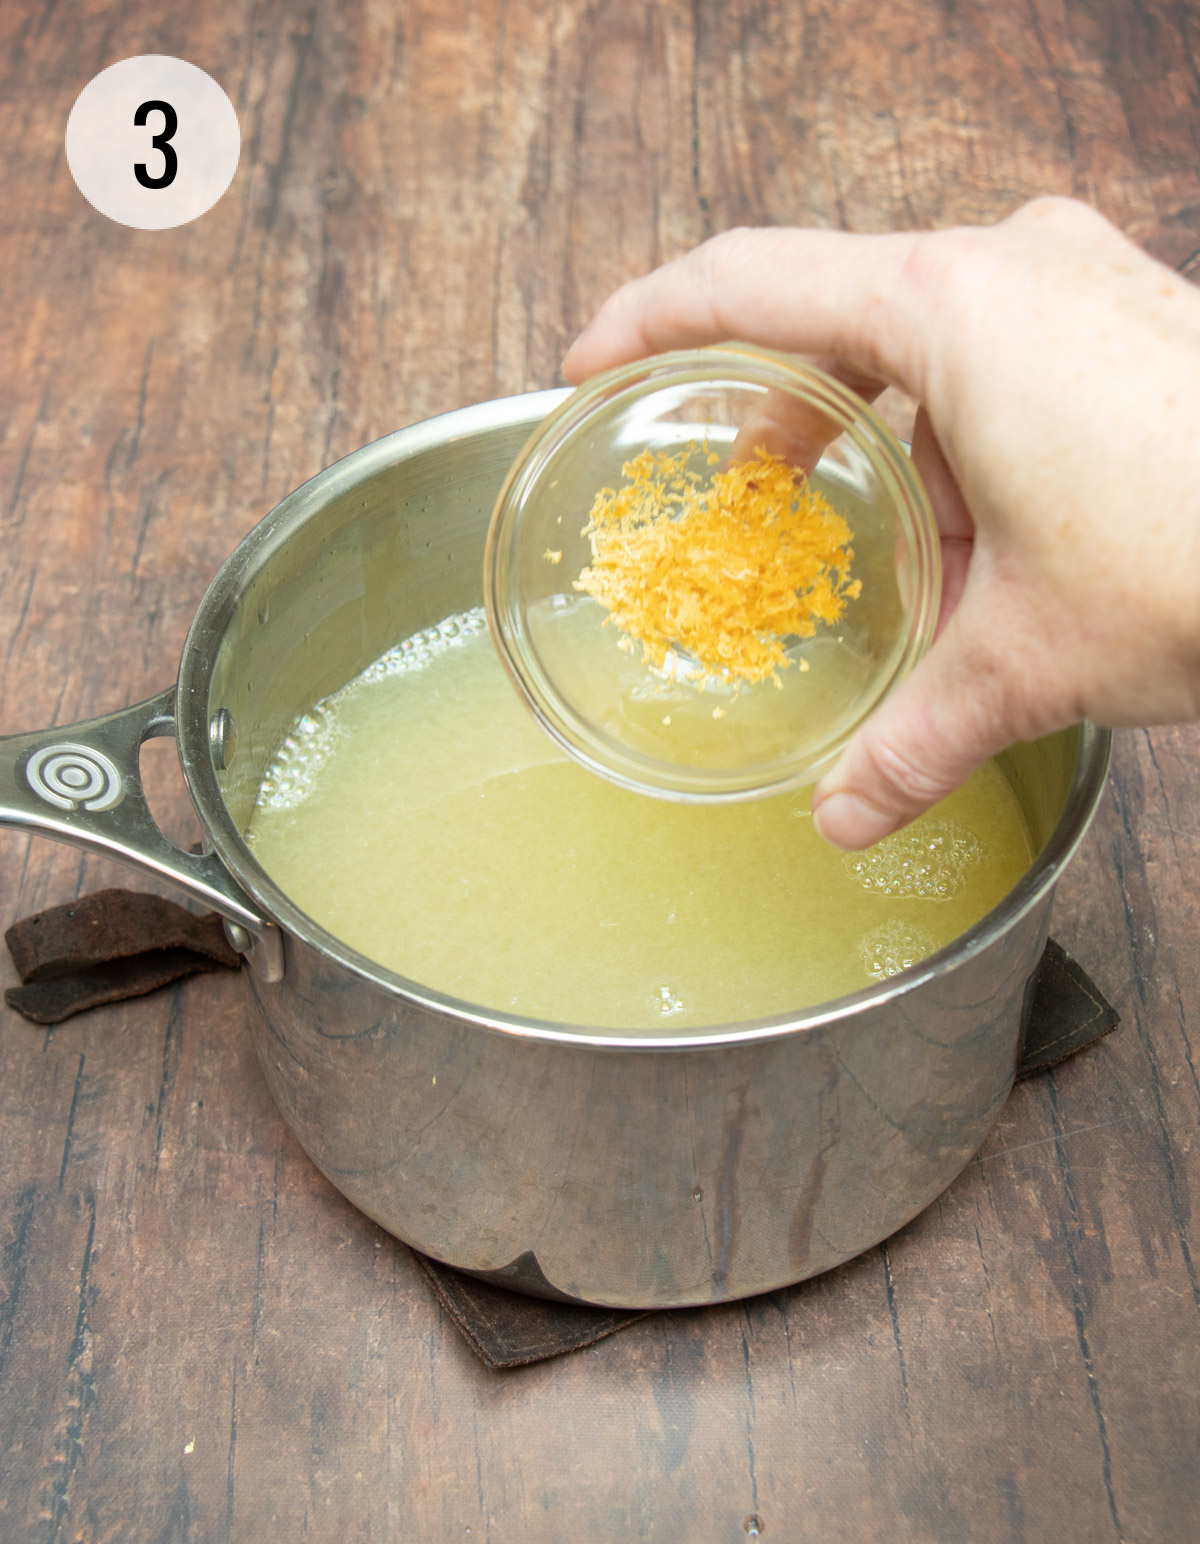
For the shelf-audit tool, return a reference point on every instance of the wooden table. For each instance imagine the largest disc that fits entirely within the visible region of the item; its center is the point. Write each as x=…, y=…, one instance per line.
x=199, y=1339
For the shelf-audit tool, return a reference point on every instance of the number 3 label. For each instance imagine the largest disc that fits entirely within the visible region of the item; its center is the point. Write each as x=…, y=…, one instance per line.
x=161, y=141
x=153, y=142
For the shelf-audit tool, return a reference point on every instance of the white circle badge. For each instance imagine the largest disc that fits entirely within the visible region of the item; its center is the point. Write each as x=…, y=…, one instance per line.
x=153, y=142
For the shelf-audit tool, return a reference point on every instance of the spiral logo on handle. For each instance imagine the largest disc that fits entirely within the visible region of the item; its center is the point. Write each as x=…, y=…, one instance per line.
x=68, y=775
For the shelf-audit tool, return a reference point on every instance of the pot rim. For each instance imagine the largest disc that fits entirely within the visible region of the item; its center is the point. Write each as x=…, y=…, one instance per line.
x=217, y=607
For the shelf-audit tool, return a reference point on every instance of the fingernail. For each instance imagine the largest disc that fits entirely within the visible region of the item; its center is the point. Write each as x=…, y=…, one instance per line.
x=849, y=821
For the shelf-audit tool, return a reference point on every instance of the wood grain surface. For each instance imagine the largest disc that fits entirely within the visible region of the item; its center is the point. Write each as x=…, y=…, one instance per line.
x=199, y=1339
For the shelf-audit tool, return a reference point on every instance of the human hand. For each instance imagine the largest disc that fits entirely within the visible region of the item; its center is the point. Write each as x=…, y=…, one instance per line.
x=1057, y=369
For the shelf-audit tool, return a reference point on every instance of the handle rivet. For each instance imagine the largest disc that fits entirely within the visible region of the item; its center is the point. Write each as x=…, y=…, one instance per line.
x=239, y=937
x=222, y=737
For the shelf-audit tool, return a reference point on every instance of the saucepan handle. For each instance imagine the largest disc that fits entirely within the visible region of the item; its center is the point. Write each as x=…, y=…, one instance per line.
x=81, y=783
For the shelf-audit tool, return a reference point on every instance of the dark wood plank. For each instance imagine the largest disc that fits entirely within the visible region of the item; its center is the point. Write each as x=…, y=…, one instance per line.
x=199, y=1340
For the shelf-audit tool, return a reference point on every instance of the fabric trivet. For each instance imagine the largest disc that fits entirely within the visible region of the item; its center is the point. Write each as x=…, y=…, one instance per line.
x=508, y=1329
x=1067, y=1014
x=106, y=947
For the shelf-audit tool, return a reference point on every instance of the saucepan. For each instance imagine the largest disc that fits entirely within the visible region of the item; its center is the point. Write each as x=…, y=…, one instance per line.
x=585, y=1164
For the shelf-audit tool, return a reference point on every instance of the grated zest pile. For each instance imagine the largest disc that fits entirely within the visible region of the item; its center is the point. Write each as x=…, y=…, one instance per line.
x=725, y=571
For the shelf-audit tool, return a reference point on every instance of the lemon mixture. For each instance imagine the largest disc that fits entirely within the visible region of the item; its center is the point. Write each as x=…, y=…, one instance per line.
x=420, y=815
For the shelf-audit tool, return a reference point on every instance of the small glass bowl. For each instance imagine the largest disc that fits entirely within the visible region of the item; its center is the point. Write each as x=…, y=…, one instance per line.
x=677, y=731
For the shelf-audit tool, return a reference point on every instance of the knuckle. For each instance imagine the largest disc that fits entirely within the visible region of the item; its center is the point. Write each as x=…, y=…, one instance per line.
x=930, y=255
x=720, y=267
x=940, y=278
x=722, y=259
x=907, y=780
x=1066, y=222
x=730, y=244
x=1057, y=209
x=944, y=272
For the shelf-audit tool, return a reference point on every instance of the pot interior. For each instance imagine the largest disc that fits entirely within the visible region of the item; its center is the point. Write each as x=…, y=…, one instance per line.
x=390, y=541
x=385, y=543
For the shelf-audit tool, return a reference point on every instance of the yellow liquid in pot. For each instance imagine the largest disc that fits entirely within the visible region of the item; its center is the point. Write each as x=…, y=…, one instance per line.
x=421, y=816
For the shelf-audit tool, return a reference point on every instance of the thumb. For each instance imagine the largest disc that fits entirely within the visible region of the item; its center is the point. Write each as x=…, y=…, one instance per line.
x=951, y=715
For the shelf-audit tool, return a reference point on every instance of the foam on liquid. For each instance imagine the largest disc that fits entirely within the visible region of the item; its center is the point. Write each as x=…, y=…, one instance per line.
x=420, y=815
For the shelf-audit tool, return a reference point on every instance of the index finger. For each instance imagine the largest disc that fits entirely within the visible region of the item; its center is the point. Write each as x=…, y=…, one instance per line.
x=804, y=291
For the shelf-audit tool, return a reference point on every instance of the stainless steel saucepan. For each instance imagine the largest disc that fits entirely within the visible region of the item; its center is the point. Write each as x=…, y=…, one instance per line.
x=591, y=1165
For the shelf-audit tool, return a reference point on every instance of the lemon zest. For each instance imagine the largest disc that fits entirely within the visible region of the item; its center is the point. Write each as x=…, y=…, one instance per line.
x=726, y=570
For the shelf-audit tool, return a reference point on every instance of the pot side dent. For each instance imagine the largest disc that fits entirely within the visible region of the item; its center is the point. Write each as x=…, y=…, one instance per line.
x=585, y=1165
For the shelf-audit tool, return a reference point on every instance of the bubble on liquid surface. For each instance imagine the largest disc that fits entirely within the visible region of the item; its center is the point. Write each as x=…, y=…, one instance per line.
x=293, y=770
x=930, y=860
x=667, y=1003
x=423, y=647
x=886, y=951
